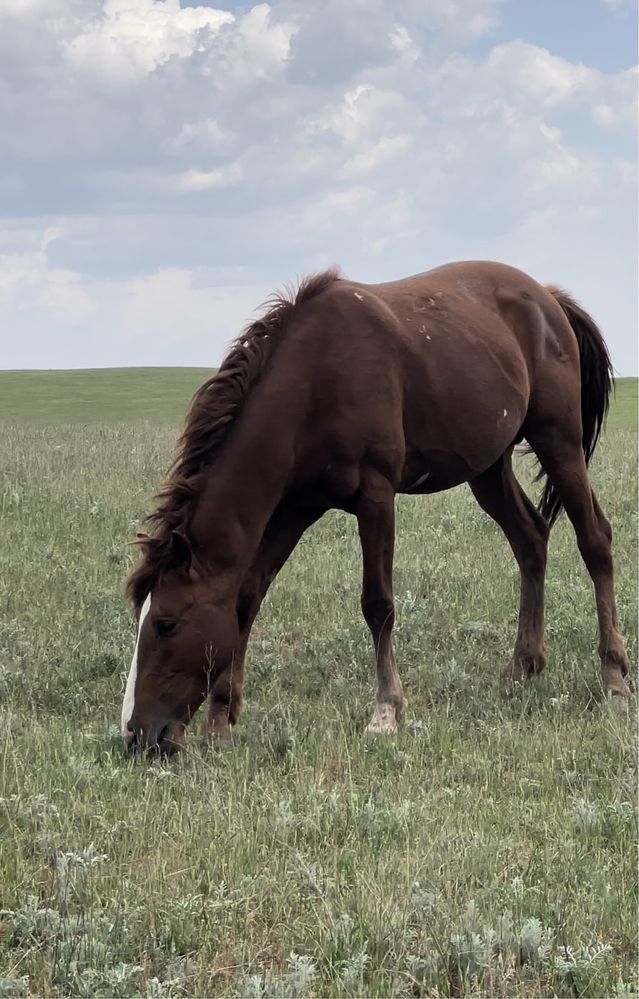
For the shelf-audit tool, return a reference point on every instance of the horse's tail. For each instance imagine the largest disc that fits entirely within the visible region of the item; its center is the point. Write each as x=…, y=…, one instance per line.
x=596, y=386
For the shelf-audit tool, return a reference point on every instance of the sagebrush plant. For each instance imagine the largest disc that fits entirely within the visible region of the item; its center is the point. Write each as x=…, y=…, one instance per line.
x=488, y=849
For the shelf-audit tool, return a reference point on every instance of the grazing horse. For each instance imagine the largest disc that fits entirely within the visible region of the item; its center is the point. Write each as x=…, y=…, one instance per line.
x=341, y=396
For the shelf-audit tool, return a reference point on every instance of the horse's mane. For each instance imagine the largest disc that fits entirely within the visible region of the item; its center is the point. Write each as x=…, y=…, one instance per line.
x=214, y=409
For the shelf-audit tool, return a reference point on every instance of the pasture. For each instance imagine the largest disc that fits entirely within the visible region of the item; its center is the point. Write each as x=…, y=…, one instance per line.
x=488, y=850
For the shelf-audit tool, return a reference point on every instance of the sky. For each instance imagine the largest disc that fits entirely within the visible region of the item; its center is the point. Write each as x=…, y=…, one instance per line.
x=166, y=165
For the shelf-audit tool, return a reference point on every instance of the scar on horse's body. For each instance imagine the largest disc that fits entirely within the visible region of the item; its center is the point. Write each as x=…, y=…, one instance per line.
x=342, y=397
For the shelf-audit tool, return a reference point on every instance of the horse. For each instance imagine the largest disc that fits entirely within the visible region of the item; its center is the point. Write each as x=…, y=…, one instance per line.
x=342, y=395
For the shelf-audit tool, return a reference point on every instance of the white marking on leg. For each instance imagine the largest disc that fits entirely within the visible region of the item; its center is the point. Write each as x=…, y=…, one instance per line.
x=384, y=720
x=419, y=481
x=128, y=703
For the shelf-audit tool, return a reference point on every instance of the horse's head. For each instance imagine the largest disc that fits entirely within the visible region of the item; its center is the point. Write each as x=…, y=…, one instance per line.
x=185, y=639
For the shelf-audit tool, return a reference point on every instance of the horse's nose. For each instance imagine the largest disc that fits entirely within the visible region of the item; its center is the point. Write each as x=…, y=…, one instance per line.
x=156, y=739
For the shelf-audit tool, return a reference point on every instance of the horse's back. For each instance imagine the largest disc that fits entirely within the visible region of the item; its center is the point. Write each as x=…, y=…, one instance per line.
x=469, y=301
x=431, y=377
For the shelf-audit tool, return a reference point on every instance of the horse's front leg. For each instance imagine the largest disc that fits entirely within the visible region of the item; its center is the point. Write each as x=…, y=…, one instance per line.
x=225, y=696
x=282, y=534
x=376, y=522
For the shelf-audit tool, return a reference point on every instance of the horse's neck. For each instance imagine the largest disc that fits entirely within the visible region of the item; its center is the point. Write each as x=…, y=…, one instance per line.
x=242, y=490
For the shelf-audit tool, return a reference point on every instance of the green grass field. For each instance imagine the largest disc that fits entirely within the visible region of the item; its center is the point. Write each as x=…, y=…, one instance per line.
x=159, y=395
x=105, y=395
x=624, y=409
x=488, y=850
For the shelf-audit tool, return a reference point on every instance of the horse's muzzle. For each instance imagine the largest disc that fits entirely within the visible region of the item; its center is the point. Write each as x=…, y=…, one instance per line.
x=154, y=740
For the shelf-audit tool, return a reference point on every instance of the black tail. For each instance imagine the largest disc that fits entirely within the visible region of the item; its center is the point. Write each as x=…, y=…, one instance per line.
x=596, y=386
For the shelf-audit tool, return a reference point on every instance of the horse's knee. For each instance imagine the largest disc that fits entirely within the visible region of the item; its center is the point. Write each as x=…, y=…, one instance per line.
x=379, y=612
x=596, y=550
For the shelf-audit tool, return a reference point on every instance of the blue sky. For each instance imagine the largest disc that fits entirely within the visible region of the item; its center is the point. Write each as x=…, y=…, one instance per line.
x=166, y=165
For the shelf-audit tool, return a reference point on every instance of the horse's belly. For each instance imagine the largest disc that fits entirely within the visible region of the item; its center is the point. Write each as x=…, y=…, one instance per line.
x=442, y=453
x=463, y=407
x=434, y=470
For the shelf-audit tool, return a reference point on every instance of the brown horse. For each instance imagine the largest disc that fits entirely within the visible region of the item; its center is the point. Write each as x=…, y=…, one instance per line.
x=340, y=397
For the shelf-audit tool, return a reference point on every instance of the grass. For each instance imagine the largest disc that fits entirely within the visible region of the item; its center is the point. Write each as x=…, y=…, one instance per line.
x=159, y=395
x=489, y=849
x=624, y=409
x=100, y=395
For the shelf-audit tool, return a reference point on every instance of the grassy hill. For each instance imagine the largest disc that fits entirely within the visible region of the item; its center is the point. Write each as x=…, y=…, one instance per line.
x=100, y=395
x=623, y=412
x=488, y=849
x=159, y=395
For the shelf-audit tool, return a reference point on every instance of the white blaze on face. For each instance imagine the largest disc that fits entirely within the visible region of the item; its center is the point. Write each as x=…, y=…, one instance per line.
x=129, y=694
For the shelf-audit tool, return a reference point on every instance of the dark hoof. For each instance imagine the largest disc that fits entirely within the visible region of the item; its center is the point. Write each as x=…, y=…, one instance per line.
x=522, y=668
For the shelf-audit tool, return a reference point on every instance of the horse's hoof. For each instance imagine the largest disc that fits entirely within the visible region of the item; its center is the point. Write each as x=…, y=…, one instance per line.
x=384, y=720
x=219, y=732
x=522, y=668
x=514, y=672
x=616, y=688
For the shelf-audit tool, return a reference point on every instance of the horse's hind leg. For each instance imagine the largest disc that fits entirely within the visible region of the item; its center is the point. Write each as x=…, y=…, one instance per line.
x=562, y=459
x=500, y=495
x=376, y=522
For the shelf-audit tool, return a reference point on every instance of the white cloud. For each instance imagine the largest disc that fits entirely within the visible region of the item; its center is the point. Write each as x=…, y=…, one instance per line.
x=530, y=78
x=165, y=143
x=537, y=74
x=360, y=112
x=28, y=282
x=30, y=8
x=618, y=110
x=208, y=180
x=133, y=37
x=377, y=156
x=204, y=134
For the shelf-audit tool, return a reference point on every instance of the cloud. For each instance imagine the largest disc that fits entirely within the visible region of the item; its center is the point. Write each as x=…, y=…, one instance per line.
x=131, y=38
x=28, y=283
x=615, y=106
x=181, y=154
x=206, y=180
x=537, y=75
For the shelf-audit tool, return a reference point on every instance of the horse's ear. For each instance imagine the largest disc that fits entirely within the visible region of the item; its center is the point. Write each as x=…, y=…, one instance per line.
x=181, y=554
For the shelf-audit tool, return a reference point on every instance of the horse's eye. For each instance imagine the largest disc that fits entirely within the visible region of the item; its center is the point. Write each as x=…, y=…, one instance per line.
x=164, y=627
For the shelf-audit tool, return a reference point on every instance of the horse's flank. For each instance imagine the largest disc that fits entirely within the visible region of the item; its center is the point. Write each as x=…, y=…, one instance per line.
x=213, y=411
